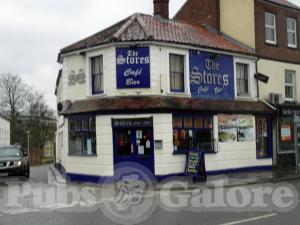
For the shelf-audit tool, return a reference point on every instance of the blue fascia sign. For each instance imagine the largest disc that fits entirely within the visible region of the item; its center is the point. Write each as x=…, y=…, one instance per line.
x=211, y=75
x=133, y=67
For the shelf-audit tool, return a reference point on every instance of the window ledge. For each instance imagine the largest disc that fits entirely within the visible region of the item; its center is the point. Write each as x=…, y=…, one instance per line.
x=292, y=47
x=246, y=97
x=261, y=158
x=274, y=44
x=183, y=94
x=97, y=95
x=86, y=156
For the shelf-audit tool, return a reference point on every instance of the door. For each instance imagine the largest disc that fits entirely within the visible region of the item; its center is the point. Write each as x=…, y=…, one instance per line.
x=134, y=145
x=297, y=144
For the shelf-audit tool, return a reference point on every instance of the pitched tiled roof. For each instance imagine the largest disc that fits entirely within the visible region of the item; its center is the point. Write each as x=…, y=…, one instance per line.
x=141, y=27
x=164, y=104
x=284, y=3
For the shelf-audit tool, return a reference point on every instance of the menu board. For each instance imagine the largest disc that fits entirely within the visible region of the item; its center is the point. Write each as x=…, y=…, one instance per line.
x=195, y=164
x=234, y=128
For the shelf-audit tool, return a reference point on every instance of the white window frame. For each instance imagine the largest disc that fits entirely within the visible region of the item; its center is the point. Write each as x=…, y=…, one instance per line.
x=185, y=54
x=252, y=86
x=248, y=74
x=294, y=32
x=293, y=85
x=272, y=27
x=89, y=73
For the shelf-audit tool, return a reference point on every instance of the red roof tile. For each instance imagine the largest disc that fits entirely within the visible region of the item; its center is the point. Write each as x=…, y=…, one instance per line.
x=141, y=27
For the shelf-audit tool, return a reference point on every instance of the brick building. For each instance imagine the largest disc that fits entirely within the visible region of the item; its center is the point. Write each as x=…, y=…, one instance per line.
x=271, y=27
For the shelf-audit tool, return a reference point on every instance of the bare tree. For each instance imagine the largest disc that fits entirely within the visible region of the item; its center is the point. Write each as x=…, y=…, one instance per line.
x=13, y=100
x=40, y=120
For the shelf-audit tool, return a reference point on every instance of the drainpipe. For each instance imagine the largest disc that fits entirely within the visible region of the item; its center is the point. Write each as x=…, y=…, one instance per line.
x=256, y=70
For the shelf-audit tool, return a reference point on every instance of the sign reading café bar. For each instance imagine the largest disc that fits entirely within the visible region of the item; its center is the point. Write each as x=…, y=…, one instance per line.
x=211, y=75
x=133, y=67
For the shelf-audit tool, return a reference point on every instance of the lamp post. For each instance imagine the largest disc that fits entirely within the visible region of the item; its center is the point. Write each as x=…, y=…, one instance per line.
x=28, y=135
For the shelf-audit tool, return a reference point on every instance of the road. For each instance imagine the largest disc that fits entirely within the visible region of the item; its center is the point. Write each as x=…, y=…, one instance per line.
x=54, y=213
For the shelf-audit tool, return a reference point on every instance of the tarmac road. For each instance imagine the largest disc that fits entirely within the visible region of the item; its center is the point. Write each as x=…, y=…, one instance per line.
x=50, y=213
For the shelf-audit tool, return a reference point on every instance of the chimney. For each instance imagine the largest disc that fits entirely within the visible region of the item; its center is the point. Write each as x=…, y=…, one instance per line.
x=161, y=8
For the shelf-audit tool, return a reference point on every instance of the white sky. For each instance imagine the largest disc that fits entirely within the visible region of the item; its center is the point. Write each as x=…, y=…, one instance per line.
x=33, y=31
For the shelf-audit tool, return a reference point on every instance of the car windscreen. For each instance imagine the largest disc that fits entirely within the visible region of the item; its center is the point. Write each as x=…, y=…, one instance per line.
x=10, y=152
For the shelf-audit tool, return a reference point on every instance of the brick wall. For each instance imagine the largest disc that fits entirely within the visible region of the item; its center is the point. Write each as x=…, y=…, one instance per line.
x=200, y=12
x=280, y=51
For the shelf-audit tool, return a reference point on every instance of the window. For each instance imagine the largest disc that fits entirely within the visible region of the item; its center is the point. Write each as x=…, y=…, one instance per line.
x=82, y=132
x=263, y=140
x=192, y=132
x=176, y=73
x=286, y=134
x=270, y=28
x=289, y=85
x=291, y=25
x=242, y=79
x=97, y=74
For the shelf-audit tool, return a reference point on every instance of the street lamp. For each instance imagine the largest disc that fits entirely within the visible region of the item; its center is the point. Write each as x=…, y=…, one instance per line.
x=28, y=134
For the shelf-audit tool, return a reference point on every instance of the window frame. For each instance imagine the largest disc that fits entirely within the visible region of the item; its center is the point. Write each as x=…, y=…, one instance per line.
x=93, y=75
x=194, y=129
x=269, y=137
x=248, y=94
x=81, y=132
x=183, y=90
x=274, y=28
x=293, y=85
x=294, y=32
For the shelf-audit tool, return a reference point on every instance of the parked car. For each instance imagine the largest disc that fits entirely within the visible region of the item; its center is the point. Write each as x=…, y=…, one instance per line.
x=14, y=161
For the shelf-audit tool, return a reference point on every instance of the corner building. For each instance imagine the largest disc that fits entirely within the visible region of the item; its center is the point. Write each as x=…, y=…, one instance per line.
x=148, y=90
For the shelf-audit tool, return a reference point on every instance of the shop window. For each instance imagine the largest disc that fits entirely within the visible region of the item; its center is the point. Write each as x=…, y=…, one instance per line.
x=286, y=134
x=242, y=79
x=270, y=28
x=291, y=25
x=289, y=85
x=97, y=74
x=263, y=138
x=195, y=133
x=82, y=135
x=176, y=73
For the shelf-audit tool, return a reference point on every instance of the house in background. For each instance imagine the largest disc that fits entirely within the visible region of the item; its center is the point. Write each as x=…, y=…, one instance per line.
x=4, y=132
x=272, y=28
x=149, y=90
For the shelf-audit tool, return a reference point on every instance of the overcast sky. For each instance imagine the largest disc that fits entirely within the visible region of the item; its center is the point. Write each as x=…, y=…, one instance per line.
x=33, y=32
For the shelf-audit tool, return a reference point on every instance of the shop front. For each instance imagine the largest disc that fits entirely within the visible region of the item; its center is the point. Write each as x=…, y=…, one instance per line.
x=289, y=133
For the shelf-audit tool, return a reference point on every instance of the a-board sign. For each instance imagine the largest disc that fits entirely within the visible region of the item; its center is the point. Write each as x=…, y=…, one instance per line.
x=195, y=164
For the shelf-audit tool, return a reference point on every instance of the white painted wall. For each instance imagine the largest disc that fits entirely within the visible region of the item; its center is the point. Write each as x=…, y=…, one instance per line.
x=276, y=72
x=159, y=74
x=4, y=132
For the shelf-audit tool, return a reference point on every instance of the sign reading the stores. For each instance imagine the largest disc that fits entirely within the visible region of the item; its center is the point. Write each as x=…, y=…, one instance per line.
x=211, y=75
x=133, y=67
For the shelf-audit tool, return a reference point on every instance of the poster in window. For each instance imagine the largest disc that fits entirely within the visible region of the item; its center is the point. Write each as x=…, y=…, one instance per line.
x=245, y=128
x=227, y=128
x=234, y=128
x=286, y=132
x=89, y=146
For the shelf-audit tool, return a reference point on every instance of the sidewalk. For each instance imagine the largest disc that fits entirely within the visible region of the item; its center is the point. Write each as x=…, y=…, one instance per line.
x=229, y=180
